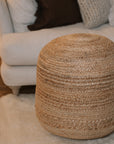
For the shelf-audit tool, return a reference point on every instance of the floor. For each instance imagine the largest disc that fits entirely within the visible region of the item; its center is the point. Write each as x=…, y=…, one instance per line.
x=19, y=124
x=5, y=90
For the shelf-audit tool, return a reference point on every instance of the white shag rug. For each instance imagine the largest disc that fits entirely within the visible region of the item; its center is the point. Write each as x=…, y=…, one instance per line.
x=19, y=124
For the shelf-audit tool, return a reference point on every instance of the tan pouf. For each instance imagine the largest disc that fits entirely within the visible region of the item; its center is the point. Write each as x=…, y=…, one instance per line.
x=75, y=86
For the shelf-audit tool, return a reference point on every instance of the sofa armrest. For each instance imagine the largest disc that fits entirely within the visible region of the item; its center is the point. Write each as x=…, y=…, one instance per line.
x=6, y=25
x=24, y=48
x=19, y=47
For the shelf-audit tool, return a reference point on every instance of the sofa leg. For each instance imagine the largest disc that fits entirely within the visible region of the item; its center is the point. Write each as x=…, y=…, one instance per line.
x=15, y=89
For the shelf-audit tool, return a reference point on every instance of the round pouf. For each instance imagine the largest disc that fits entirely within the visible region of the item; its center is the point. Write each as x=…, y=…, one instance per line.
x=75, y=86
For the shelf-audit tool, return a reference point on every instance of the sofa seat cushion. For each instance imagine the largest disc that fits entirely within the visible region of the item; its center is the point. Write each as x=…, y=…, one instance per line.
x=23, y=48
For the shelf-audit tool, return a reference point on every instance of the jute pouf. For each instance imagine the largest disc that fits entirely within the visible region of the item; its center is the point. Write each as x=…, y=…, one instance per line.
x=75, y=86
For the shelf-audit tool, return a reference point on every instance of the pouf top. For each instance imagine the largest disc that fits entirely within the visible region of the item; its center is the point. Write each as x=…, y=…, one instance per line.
x=85, y=54
x=79, y=46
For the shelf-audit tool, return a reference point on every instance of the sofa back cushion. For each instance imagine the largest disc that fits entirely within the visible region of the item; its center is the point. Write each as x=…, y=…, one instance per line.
x=111, y=15
x=5, y=19
x=22, y=13
x=52, y=13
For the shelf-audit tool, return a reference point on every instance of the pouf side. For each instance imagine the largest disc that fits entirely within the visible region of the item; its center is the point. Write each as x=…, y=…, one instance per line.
x=75, y=86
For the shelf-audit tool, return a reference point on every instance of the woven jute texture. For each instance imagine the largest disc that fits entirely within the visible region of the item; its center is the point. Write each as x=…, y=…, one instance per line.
x=75, y=86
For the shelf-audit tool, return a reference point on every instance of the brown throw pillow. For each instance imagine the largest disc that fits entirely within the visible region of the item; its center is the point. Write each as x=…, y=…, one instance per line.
x=52, y=13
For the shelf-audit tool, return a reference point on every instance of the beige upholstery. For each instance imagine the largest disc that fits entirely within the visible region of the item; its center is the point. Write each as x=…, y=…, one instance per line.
x=6, y=25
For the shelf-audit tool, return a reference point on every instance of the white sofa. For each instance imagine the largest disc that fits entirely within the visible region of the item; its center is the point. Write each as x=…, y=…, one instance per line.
x=19, y=51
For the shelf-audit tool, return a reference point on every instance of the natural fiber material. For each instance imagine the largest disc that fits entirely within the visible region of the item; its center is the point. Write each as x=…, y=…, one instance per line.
x=75, y=86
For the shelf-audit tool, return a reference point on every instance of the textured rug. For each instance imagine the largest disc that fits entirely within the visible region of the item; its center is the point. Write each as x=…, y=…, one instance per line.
x=19, y=124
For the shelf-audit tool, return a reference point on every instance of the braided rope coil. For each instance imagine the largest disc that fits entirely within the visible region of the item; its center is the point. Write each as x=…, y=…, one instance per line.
x=75, y=86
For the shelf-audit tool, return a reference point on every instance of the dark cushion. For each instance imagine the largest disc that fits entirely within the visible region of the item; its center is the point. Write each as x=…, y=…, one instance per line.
x=52, y=13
